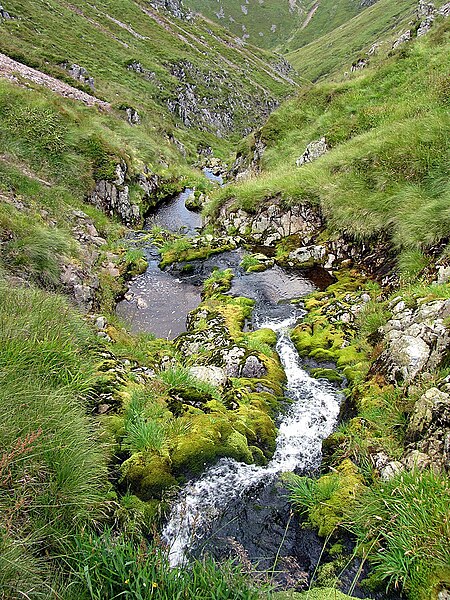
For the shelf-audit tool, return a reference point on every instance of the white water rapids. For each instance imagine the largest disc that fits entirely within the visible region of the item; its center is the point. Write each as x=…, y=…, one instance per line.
x=311, y=418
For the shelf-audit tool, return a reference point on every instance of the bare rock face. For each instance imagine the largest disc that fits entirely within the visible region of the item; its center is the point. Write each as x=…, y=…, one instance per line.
x=313, y=151
x=428, y=433
x=113, y=197
x=273, y=222
x=133, y=116
x=405, y=37
x=80, y=74
x=417, y=340
x=173, y=6
x=212, y=101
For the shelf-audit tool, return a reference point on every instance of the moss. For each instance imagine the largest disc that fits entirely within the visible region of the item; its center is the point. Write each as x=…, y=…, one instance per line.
x=338, y=490
x=147, y=475
x=330, y=374
x=258, y=456
x=137, y=267
x=237, y=444
x=265, y=336
x=314, y=594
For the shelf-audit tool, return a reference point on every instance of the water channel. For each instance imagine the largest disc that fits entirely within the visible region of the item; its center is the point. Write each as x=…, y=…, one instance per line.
x=235, y=503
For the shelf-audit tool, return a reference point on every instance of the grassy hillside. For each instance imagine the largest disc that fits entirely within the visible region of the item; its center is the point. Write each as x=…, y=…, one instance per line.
x=337, y=49
x=107, y=38
x=284, y=26
x=387, y=171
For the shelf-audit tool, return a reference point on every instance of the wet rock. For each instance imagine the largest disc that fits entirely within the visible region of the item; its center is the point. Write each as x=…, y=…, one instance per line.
x=313, y=151
x=212, y=375
x=253, y=368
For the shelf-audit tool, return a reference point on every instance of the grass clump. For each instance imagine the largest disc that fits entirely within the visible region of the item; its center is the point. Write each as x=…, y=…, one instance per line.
x=402, y=525
x=109, y=566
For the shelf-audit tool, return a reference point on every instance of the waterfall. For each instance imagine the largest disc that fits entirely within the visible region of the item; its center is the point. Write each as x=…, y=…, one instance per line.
x=310, y=418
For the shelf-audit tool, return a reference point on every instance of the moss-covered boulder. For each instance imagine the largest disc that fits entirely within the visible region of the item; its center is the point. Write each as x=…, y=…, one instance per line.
x=147, y=475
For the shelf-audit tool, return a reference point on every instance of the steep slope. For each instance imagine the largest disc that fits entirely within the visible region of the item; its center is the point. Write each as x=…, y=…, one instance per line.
x=338, y=49
x=284, y=25
x=136, y=56
x=385, y=145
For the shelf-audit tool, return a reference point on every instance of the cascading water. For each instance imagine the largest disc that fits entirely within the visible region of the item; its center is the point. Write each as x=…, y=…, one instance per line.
x=311, y=418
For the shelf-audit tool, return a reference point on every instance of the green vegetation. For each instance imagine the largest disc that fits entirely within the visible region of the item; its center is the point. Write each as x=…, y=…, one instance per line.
x=335, y=51
x=402, y=524
x=387, y=170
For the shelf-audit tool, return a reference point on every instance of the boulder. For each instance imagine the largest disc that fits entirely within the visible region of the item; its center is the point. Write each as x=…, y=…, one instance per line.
x=4, y=14
x=209, y=374
x=253, y=368
x=314, y=150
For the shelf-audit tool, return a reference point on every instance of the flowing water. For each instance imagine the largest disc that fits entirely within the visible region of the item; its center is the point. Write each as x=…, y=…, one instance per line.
x=311, y=417
x=231, y=498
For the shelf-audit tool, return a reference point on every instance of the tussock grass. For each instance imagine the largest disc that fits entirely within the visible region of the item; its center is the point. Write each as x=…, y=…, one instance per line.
x=52, y=466
x=403, y=526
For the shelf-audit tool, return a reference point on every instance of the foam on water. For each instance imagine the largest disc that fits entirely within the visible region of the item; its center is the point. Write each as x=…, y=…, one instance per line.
x=311, y=417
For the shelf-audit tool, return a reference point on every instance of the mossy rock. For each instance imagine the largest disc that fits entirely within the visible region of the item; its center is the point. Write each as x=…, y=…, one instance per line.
x=337, y=491
x=329, y=374
x=137, y=267
x=210, y=437
x=147, y=475
x=263, y=336
x=314, y=594
x=258, y=456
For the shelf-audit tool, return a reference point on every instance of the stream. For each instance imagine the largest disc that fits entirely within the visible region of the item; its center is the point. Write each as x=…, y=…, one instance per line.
x=236, y=508
x=205, y=508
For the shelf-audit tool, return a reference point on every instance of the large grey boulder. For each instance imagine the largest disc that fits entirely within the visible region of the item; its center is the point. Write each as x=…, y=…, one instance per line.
x=416, y=340
x=428, y=432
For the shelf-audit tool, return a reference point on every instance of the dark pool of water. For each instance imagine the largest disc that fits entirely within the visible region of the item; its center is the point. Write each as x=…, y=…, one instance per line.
x=157, y=301
x=174, y=216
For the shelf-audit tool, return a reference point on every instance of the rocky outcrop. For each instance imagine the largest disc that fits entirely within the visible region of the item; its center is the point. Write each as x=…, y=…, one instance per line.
x=4, y=14
x=272, y=223
x=113, y=197
x=80, y=74
x=138, y=68
x=426, y=15
x=417, y=340
x=358, y=65
x=405, y=37
x=173, y=6
x=133, y=116
x=215, y=346
x=248, y=164
x=213, y=101
x=314, y=150
x=428, y=432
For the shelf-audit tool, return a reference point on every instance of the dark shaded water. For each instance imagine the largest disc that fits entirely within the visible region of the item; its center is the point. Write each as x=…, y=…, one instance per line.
x=174, y=216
